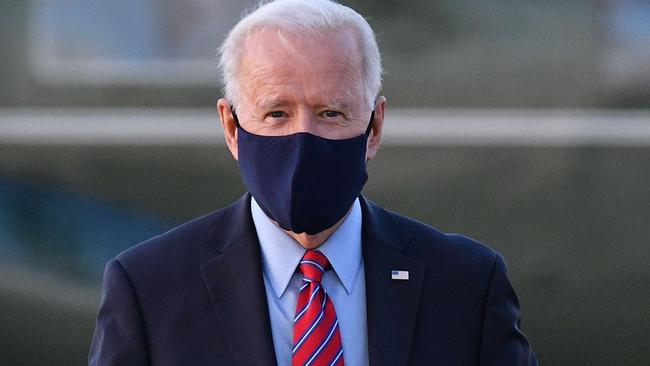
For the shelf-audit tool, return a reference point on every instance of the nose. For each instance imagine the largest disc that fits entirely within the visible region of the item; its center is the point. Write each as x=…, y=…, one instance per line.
x=304, y=120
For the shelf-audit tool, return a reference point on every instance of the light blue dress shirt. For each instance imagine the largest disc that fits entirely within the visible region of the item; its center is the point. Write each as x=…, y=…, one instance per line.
x=345, y=284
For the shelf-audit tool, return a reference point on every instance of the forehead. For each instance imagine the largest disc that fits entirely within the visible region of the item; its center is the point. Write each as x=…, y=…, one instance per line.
x=326, y=64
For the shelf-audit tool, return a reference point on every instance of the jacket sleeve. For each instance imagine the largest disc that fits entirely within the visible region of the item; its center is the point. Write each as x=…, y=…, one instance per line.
x=502, y=342
x=119, y=336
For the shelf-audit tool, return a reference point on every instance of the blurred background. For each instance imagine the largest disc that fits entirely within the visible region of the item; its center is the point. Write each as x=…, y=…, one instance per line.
x=524, y=124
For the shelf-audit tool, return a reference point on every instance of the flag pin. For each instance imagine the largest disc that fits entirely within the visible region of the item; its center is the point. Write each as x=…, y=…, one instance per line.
x=399, y=275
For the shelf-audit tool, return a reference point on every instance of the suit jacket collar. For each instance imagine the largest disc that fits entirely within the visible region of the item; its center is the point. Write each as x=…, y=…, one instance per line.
x=234, y=281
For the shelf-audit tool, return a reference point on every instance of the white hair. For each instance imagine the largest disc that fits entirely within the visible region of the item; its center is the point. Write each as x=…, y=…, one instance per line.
x=299, y=16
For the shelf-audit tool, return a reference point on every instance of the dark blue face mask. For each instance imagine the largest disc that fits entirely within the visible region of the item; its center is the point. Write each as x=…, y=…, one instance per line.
x=305, y=183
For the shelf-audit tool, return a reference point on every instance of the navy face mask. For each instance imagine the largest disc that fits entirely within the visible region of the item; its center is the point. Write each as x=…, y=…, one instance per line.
x=305, y=183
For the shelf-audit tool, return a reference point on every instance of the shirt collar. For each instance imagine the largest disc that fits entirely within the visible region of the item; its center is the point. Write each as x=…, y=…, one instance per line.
x=281, y=254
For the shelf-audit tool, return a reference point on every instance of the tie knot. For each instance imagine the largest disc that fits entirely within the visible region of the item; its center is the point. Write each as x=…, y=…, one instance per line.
x=312, y=265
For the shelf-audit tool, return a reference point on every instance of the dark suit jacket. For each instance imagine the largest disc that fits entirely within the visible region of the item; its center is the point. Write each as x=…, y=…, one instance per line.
x=195, y=296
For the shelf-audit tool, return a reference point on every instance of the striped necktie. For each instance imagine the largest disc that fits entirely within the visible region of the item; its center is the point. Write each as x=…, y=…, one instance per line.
x=316, y=335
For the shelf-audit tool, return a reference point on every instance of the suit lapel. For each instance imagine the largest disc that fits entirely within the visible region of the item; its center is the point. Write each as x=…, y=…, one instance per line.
x=235, y=284
x=392, y=305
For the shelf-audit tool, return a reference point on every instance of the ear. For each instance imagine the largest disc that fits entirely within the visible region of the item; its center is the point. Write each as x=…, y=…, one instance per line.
x=377, y=123
x=228, y=124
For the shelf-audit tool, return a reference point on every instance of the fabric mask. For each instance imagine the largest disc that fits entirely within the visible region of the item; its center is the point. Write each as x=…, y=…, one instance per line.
x=305, y=183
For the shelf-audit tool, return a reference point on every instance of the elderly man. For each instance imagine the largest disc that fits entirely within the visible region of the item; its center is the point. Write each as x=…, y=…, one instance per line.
x=303, y=270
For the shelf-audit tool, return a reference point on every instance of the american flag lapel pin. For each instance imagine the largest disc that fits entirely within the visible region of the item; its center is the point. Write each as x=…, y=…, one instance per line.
x=399, y=275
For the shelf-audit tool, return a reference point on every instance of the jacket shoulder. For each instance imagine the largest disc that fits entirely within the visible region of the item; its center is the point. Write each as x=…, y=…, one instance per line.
x=429, y=242
x=186, y=243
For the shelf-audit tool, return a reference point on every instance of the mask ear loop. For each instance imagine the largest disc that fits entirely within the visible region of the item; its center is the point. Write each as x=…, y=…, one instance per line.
x=372, y=118
x=234, y=116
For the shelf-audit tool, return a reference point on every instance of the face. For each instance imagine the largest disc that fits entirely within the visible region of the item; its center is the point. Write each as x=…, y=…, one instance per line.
x=310, y=83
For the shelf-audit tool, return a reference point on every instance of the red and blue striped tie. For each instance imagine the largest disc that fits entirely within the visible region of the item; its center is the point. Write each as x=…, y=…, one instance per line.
x=316, y=335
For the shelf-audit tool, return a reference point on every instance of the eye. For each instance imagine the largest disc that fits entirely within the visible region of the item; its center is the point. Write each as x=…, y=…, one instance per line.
x=276, y=114
x=331, y=114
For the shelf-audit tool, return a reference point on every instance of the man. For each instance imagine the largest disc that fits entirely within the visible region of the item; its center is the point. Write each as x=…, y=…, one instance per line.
x=303, y=270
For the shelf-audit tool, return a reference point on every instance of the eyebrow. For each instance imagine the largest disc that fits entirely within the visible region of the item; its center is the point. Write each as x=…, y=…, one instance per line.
x=338, y=105
x=270, y=103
